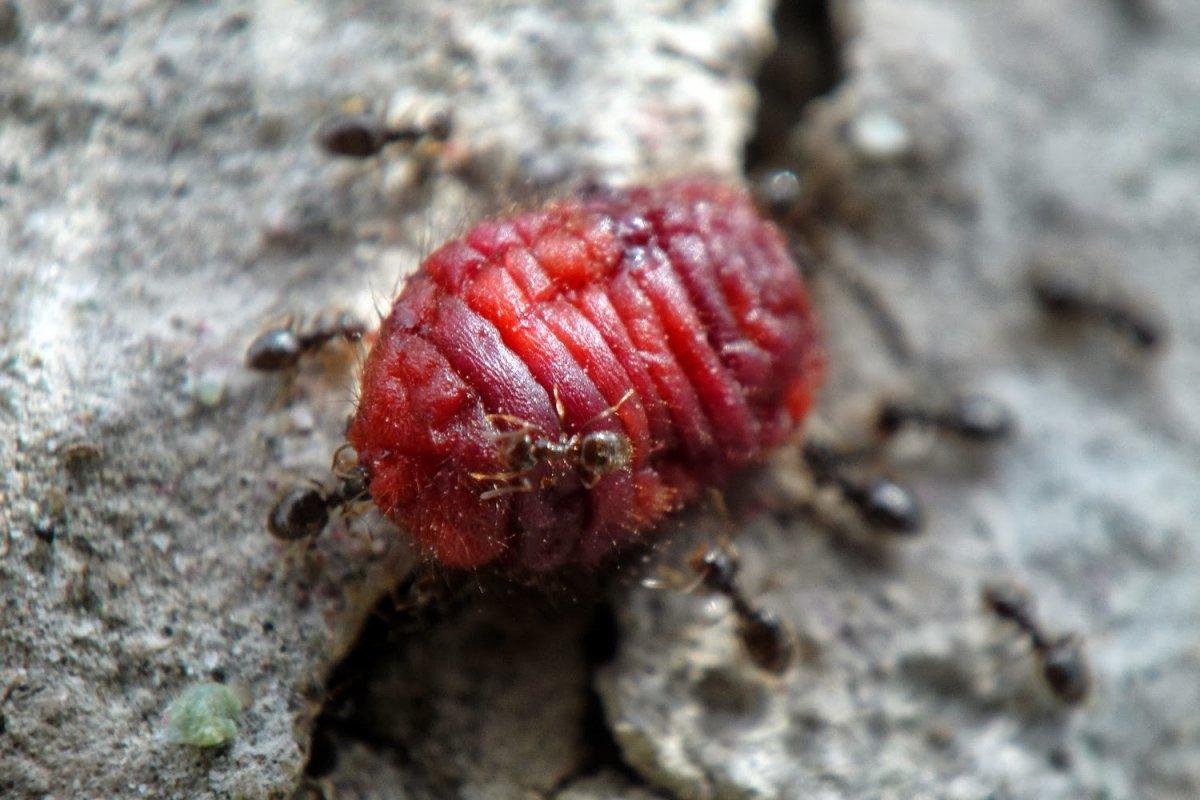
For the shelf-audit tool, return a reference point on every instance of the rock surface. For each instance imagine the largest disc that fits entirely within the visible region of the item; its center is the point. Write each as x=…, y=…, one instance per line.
x=160, y=199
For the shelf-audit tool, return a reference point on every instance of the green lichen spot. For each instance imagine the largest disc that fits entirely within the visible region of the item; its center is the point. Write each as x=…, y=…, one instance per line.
x=204, y=715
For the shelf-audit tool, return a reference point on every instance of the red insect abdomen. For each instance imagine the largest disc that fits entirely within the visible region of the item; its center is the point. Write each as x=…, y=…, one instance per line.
x=678, y=292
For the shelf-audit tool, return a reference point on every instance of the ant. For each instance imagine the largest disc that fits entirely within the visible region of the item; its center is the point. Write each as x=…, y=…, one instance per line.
x=524, y=448
x=366, y=135
x=281, y=348
x=303, y=512
x=882, y=503
x=973, y=417
x=1069, y=297
x=1064, y=665
x=765, y=637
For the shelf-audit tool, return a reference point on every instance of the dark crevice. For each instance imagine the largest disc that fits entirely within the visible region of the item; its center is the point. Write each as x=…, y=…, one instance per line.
x=805, y=64
x=600, y=642
x=415, y=605
x=404, y=618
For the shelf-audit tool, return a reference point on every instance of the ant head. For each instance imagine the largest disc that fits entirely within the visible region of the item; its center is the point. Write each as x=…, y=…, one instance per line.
x=602, y=452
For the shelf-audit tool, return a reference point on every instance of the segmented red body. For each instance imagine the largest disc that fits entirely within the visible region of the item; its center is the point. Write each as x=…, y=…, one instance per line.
x=679, y=291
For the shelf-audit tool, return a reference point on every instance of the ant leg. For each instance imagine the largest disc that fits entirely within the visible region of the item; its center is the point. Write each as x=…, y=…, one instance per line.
x=496, y=477
x=521, y=486
x=520, y=425
x=869, y=300
x=559, y=408
x=608, y=412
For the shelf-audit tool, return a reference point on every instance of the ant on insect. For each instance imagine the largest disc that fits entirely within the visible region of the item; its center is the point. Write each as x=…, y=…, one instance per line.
x=525, y=447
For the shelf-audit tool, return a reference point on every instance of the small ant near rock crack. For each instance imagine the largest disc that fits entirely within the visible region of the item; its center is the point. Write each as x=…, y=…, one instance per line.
x=764, y=636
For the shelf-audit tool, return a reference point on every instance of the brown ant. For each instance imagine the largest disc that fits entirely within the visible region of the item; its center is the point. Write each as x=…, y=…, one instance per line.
x=282, y=347
x=882, y=503
x=303, y=512
x=1070, y=297
x=525, y=447
x=366, y=135
x=1064, y=665
x=973, y=417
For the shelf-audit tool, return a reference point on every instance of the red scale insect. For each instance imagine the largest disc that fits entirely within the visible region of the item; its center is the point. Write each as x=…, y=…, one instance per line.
x=547, y=388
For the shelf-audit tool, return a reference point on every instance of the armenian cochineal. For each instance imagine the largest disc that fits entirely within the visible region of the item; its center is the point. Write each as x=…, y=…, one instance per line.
x=550, y=386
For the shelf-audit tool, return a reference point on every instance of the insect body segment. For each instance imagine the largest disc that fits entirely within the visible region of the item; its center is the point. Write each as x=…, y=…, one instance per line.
x=550, y=386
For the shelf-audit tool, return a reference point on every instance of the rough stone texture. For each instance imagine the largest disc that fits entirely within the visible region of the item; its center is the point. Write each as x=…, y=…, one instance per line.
x=1033, y=127
x=160, y=199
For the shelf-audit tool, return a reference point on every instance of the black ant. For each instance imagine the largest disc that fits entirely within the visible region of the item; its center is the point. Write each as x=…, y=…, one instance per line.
x=767, y=640
x=524, y=448
x=282, y=347
x=303, y=512
x=1064, y=665
x=1071, y=297
x=366, y=135
x=973, y=417
x=765, y=637
x=882, y=503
